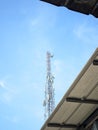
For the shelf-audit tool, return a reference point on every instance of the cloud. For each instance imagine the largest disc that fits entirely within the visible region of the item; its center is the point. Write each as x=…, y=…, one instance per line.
x=14, y=119
x=35, y=22
x=41, y=24
x=58, y=66
x=7, y=93
x=59, y=74
x=2, y=84
x=7, y=97
x=45, y=18
x=86, y=32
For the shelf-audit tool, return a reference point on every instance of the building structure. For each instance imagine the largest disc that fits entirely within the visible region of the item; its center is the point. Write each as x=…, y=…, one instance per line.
x=78, y=109
x=82, y=6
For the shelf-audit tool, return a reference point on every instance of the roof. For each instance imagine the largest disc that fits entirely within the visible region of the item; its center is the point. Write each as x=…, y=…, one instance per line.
x=79, y=106
x=82, y=6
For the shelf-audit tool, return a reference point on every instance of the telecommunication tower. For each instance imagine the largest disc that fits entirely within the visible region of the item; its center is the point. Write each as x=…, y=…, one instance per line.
x=49, y=102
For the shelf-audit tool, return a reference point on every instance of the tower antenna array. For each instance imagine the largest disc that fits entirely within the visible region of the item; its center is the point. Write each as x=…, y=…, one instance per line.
x=49, y=102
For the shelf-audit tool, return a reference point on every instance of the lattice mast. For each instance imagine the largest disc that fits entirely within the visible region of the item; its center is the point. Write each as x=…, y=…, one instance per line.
x=49, y=102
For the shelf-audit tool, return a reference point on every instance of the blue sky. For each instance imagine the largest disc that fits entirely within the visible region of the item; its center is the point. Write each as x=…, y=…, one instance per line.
x=28, y=29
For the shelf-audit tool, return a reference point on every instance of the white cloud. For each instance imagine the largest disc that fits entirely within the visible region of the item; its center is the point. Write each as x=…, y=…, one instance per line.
x=35, y=22
x=7, y=97
x=59, y=74
x=7, y=93
x=86, y=33
x=13, y=119
x=58, y=66
x=45, y=18
x=2, y=84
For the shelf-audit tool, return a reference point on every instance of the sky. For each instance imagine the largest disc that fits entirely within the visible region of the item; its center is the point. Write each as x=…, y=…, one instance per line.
x=28, y=29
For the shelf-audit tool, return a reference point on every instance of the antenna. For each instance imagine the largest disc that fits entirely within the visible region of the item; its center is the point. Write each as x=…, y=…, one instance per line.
x=49, y=102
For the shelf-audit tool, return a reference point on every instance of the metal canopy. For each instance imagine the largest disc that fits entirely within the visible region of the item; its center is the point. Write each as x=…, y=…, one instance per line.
x=82, y=6
x=78, y=109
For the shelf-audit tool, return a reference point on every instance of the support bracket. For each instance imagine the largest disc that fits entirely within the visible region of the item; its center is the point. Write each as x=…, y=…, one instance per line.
x=81, y=100
x=62, y=125
x=95, y=62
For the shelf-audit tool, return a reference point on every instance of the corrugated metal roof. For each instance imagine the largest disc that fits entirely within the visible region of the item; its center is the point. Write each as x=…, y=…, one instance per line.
x=80, y=101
